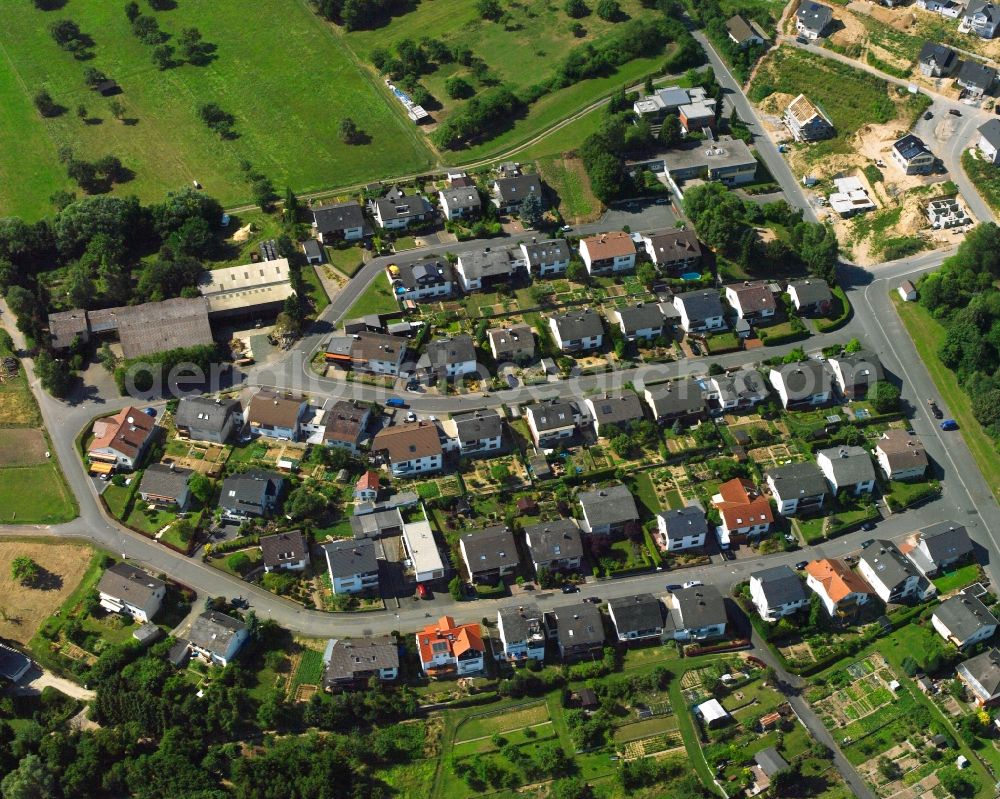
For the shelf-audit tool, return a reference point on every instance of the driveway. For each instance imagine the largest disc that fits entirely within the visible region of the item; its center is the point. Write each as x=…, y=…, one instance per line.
x=38, y=678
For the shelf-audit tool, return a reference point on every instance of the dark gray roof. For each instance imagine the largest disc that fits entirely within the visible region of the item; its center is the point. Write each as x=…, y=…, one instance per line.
x=401, y=206
x=888, y=563
x=378, y=523
x=677, y=398
x=702, y=304
x=984, y=7
x=488, y=262
x=515, y=189
x=312, y=248
x=540, y=253
x=477, y=425
x=624, y=408
x=985, y=670
x=610, y=505
x=780, y=585
x=344, y=657
x=213, y=631
x=347, y=558
x=770, y=761
x=941, y=56
x=990, y=131
x=577, y=625
x=161, y=480
x=964, y=615
x=641, y=316
x=147, y=633
x=448, y=351
x=243, y=492
x=811, y=290
x=553, y=540
x=465, y=197
x=579, y=324
x=337, y=217
x=12, y=662
x=909, y=147
x=521, y=622
x=946, y=540
x=639, y=612
x=697, y=607
x=283, y=548
x=425, y=272
x=687, y=521
x=124, y=581
x=490, y=548
x=814, y=15
x=850, y=464
x=798, y=480
x=803, y=379
x=552, y=415
x=860, y=368
x=746, y=384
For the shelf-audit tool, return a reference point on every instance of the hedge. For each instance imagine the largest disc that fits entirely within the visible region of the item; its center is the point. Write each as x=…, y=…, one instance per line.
x=824, y=326
x=784, y=338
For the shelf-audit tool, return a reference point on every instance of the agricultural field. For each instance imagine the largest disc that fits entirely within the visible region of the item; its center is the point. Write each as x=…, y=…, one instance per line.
x=286, y=109
x=568, y=181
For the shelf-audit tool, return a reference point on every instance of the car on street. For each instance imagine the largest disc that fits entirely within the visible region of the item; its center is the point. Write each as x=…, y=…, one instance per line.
x=868, y=526
x=693, y=583
x=423, y=591
x=955, y=112
x=566, y=228
x=239, y=602
x=928, y=115
x=593, y=600
x=150, y=412
x=511, y=381
x=949, y=424
x=395, y=402
x=674, y=587
x=569, y=588
x=801, y=564
x=801, y=40
x=868, y=543
x=411, y=417
x=662, y=201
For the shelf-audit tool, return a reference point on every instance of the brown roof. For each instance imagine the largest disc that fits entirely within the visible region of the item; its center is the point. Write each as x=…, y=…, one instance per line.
x=837, y=579
x=672, y=245
x=66, y=326
x=802, y=109
x=754, y=296
x=161, y=326
x=609, y=245
x=125, y=432
x=271, y=409
x=367, y=346
x=344, y=422
x=406, y=442
x=287, y=547
x=902, y=450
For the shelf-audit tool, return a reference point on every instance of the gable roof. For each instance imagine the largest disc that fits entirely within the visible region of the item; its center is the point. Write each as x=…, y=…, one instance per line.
x=700, y=305
x=208, y=414
x=213, y=631
x=540, y=253
x=547, y=416
x=902, y=449
x=377, y=523
x=963, y=615
x=124, y=581
x=780, y=585
x=489, y=548
x=160, y=326
x=580, y=624
x=837, y=579
x=611, y=505
x=609, y=245
x=350, y=557
x=797, y=480
x=742, y=505
x=814, y=16
x=477, y=425
x=338, y=217
x=465, y=197
x=946, y=541
x=520, y=622
x=641, y=316
x=516, y=188
x=639, y=612
x=347, y=657
x=849, y=464
x=448, y=352
x=803, y=110
x=985, y=670
x=976, y=75
x=910, y=147
x=367, y=346
x=554, y=540
x=937, y=54
x=407, y=442
x=888, y=563
x=578, y=324
x=803, y=379
x=810, y=291
x=770, y=761
x=459, y=638
x=274, y=409
x=65, y=326
x=990, y=130
x=516, y=338
x=125, y=432
x=397, y=205
x=162, y=480
x=753, y=296
x=676, y=398
x=243, y=490
x=741, y=30
x=283, y=548
x=698, y=606
x=687, y=521
x=667, y=246
x=623, y=408
x=345, y=422
x=743, y=384
x=488, y=262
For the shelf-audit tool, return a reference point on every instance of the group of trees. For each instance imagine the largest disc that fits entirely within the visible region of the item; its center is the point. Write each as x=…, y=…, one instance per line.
x=146, y=28
x=712, y=18
x=94, y=177
x=362, y=14
x=67, y=34
x=217, y=120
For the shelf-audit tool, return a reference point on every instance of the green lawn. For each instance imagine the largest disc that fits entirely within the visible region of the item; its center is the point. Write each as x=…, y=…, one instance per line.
x=317, y=294
x=287, y=90
x=347, y=260
x=310, y=670
x=926, y=333
x=566, y=138
x=646, y=494
x=569, y=182
x=959, y=578
x=986, y=178
x=35, y=495
x=377, y=298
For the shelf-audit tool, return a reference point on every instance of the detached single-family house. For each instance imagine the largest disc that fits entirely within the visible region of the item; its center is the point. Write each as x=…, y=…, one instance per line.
x=812, y=19
x=981, y=675
x=577, y=331
x=554, y=545
x=696, y=614
x=447, y=359
x=460, y=202
x=912, y=156
x=509, y=192
x=120, y=441
x=352, y=662
x=854, y=373
x=806, y=383
x=208, y=418
x=367, y=488
x=847, y=468
x=797, y=487
x=165, y=486
x=700, y=310
x=636, y=618
x=353, y=565
x=617, y=412
x=673, y=250
x=901, y=455
x=939, y=546
x=743, y=33
x=746, y=513
x=250, y=494
x=522, y=633
x=217, y=637
x=549, y=422
x=642, y=321
x=810, y=296
x=447, y=649
x=976, y=79
x=126, y=589
x=607, y=511
x=608, y=253
x=753, y=301
x=478, y=432
x=892, y=576
x=767, y=763
x=841, y=591
x=345, y=424
x=515, y=343
x=963, y=620
x=736, y=391
x=489, y=554
x=548, y=257
x=806, y=122
x=680, y=401
x=338, y=222
x=409, y=449
x=277, y=415
x=398, y=210
x=577, y=629
x=426, y=279
x=981, y=18
x=936, y=60
x=288, y=551
x=777, y=592
x=989, y=140
x=488, y=267
x=681, y=528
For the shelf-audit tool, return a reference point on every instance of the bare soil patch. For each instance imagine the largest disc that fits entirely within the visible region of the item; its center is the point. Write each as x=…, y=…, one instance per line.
x=22, y=447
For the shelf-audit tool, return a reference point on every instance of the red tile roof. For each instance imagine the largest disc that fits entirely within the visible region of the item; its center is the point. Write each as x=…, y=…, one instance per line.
x=125, y=432
x=743, y=505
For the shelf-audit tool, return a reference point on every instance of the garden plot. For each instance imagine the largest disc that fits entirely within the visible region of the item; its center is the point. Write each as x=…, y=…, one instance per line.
x=867, y=694
x=503, y=721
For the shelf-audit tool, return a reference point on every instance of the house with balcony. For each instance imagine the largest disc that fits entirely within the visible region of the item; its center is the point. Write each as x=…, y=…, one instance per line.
x=352, y=565
x=554, y=545
x=811, y=296
x=797, y=487
x=752, y=301
x=208, y=418
x=841, y=591
x=608, y=253
x=522, y=633
x=447, y=649
x=742, y=390
x=552, y=422
x=578, y=631
x=901, y=455
x=812, y=19
x=847, y=468
x=777, y=592
x=607, y=511
x=746, y=513
x=478, y=432
x=126, y=589
x=612, y=414
x=636, y=618
x=939, y=546
x=546, y=258
x=981, y=675
x=964, y=621
x=338, y=222
x=892, y=576
x=697, y=613
x=276, y=414
x=681, y=529
x=802, y=384
x=701, y=311
x=287, y=551
x=577, y=331
x=482, y=270
x=398, y=210
x=350, y=663
x=677, y=401
x=509, y=192
x=426, y=279
x=489, y=554
x=515, y=343
x=673, y=250
x=445, y=359
x=460, y=202
x=643, y=321
x=250, y=495
x=216, y=637
x=855, y=372
x=409, y=449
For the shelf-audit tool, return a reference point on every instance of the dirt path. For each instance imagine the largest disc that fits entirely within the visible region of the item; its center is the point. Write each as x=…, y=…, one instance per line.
x=37, y=679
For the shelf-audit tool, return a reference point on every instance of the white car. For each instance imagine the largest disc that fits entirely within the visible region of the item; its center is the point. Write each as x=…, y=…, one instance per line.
x=692, y=584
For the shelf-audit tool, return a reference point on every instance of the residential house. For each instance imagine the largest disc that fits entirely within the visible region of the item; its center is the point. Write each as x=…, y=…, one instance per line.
x=252, y=494
x=636, y=618
x=806, y=122
x=698, y=117
x=577, y=331
x=384, y=523
x=367, y=488
x=939, y=546
x=806, y=383
x=460, y=202
x=478, y=432
x=976, y=79
x=673, y=250
x=608, y=253
x=409, y=449
x=964, y=620
x=951, y=9
x=850, y=197
x=746, y=513
x=577, y=629
x=509, y=192
x=726, y=160
x=125, y=589
x=548, y=257
x=681, y=528
x=743, y=33
x=700, y=311
x=398, y=210
x=943, y=214
x=554, y=545
x=841, y=591
x=217, y=637
x=753, y=301
x=607, y=511
x=208, y=418
x=13, y=664
x=767, y=763
x=522, y=633
x=338, y=222
x=912, y=156
x=936, y=60
x=376, y=353
x=741, y=390
x=680, y=401
x=345, y=424
x=855, y=372
x=847, y=468
x=352, y=564
x=447, y=359
x=668, y=101
x=613, y=414
x=642, y=321
x=810, y=296
x=489, y=267
x=277, y=414
x=777, y=592
x=901, y=455
x=288, y=551
x=550, y=422
x=515, y=343
x=812, y=19
x=797, y=487
x=892, y=576
x=447, y=649
x=989, y=140
x=981, y=675
x=489, y=554
x=982, y=18
x=352, y=662
x=696, y=614
x=68, y=327
x=121, y=441
x=426, y=279
x=165, y=486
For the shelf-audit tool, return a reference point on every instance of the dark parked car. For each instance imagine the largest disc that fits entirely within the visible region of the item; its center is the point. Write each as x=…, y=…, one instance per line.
x=868, y=543
x=801, y=564
x=928, y=115
x=569, y=588
x=955, y=112
x=593, y=600
x=868, y=526
x=239, y=602
x=674, y=587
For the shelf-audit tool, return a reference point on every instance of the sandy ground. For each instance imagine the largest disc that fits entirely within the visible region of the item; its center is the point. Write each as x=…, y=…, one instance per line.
x=22, y=610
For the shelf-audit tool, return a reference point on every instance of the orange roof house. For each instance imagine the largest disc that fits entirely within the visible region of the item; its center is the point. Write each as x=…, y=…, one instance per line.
x=447, y=648
x=744, y=510
x=121, y=439
x=841, y=590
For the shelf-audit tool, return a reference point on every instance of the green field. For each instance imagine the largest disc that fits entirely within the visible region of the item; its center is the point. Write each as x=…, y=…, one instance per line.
x=984, y=176
x=286, y=78
x=377, y=298
x=35, y=495
x=569, y=183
